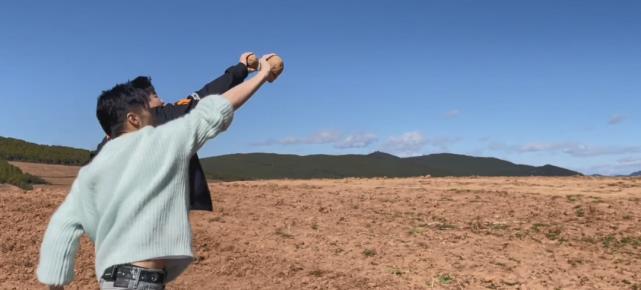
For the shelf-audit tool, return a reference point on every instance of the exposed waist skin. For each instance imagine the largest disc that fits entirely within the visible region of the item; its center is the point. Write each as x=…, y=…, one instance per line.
x=152, y=264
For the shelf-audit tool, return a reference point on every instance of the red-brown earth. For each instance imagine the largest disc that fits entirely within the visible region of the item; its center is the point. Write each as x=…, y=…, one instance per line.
x=409, y=233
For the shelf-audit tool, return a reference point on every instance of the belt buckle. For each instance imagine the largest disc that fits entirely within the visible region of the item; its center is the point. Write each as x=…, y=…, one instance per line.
x=151, y=277
x=124, y=278
x=110, y=275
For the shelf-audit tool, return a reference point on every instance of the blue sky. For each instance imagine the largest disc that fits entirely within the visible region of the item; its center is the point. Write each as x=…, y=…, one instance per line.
x=533, y=82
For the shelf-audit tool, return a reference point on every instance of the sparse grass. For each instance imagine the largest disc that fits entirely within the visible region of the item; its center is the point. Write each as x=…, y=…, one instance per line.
x=511, y=283
x=580, y=212
x=445, y=279
x=499, y=226
x=500, y=264
x=285, y=234
x=572, y=197
x=317, y=273
x=596, y=199
x=537, y=227
x=476, y=225
x=396, y=271
x=633, y=241
x=520, y=234
x=369, y=252
x=217, y=219
x=416, y=231
x=575, y=261
x=314, y=226
x=611, y=242
x=554, y=234
x=589, y=240
x=608, y=241
x=445, y=226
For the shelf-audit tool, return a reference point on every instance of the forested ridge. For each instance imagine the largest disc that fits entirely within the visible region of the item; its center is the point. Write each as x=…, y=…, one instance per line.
x=18, y=150
x=13, y=175
x=12, y=149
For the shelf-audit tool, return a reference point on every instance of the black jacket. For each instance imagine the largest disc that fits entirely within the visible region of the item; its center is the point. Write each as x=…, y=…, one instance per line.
x=199, y=195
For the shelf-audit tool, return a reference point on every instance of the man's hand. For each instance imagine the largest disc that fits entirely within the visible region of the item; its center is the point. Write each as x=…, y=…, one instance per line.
x=239, y=94
x=265, y=68
x=249, y=60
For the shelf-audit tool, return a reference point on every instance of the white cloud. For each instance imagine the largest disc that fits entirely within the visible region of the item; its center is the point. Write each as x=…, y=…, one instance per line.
x=339, y=140
x=630, y=161
x=323, y=137
x=569, y=148
x=537, y=147
x=582, y=150
x=616, y=119
x=613, y=168
x=407, y=144
x=443, y=143
x=356, y=141
x=268, y=142
x=290, y=141
x=453, y=113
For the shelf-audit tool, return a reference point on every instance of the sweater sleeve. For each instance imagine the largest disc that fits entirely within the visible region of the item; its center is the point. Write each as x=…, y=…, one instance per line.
x=60, y=244
x=211, y=116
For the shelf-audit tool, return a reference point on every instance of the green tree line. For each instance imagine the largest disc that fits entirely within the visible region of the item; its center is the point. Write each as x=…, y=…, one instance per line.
x=18, y=150
x=13, y=175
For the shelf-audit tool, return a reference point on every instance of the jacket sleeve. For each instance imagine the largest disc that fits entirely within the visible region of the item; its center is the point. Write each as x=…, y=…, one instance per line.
x=233, y=76
x=169, y=112
x=60, y=243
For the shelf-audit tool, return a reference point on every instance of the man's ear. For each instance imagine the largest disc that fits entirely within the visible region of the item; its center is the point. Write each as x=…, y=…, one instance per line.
x=133, y=120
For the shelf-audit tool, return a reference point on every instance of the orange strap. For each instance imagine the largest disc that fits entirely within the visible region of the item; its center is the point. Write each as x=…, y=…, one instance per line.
x=184, y=102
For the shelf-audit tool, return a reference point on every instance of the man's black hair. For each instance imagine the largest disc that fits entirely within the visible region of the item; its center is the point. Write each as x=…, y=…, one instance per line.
x=114, y=104
x=144, y=82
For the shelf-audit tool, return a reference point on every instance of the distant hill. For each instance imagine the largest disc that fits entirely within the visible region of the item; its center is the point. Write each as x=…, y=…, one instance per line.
x=274, y=166
x=638, y=173
x=18, y=150
x=13, y=175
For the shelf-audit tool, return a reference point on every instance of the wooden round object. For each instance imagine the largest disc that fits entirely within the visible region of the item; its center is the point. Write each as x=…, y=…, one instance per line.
x=277, y=65
x=252, y=62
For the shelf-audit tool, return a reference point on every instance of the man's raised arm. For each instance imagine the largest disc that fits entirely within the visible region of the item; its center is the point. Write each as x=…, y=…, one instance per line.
x=212, y=116
x=239, y=94
x=233, y=76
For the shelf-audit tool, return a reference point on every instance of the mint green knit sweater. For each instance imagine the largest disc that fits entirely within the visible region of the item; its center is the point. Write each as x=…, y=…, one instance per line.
x=132, y=199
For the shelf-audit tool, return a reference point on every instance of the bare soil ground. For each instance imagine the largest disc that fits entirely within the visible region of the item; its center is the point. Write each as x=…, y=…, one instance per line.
x=411, y=233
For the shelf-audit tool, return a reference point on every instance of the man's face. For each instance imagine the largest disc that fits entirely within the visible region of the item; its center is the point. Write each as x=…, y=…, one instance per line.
x=155, y=101
x=146, y=118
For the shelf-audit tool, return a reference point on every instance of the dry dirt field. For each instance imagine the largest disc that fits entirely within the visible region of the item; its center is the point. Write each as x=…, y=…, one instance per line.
x=413, y=233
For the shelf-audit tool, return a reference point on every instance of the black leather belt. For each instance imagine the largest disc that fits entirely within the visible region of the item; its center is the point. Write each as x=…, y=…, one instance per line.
x=120, y=274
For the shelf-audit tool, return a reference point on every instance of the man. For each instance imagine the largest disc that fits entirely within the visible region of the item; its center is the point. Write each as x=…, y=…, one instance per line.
x=199, y=194
x=132, y=199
